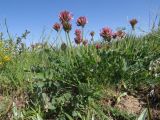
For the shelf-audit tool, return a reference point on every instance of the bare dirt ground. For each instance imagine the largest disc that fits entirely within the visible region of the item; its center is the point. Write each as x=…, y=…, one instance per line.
x=136, y=103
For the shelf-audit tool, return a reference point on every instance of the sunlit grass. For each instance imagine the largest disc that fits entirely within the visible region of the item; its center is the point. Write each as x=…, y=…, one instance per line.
x=76, y=82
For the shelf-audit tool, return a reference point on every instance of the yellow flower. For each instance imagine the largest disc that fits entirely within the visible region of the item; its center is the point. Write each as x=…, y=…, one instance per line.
x=6, y=58
x=1, y=63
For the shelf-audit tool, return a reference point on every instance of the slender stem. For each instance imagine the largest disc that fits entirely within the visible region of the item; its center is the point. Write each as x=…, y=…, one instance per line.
x=68, y=52
x=82, y=34
x=66, y=38
x=57, y=37
x=71, y=50
x=69, y=40
x=7, y=29
x=68, y=43
x=10, y=39
x=60, y=36
x=92, y=39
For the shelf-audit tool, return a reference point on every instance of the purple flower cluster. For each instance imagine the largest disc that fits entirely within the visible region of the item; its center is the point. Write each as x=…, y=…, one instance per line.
x=78, y=38
x=106, y=33
x=82, y=21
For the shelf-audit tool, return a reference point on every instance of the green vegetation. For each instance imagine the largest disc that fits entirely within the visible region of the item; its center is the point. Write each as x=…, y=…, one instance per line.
x=51, y=83
x=115, y=79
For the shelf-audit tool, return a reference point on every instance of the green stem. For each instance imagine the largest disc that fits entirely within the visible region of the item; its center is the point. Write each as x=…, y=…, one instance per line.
x=69, y=40
x=82, y=34
x=60, y=36
x=70, y=50
x=66, y=38
x=92, y=39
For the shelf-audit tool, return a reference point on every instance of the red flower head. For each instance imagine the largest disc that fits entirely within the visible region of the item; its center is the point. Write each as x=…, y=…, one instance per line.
x=120, y=33
x=57, y=27
x=98, y=46
x=67, y=27
x=106, y=33
x=81, y=21
x=78, y=40
x=65, y=16
x=92, y=33
x=78, y=32
x=85, y=42
x=133, y=22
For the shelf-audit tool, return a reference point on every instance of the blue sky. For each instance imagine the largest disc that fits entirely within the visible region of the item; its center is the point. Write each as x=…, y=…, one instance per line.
x=36, y=15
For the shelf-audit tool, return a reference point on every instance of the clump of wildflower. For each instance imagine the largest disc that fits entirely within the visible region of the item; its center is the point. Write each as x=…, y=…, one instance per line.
x=82, y=21
x=78, y=38
x=106, y=34
x=4, y=54
x=67, y=27
x=57, y=27
x=133, y=22
x=65, y=16
x=119, y=34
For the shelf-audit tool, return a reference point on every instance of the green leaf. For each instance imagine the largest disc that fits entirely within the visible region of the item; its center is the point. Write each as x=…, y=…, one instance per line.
x=143, y=115
x=124, y=65
x=68, y=116
x=120, y=96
